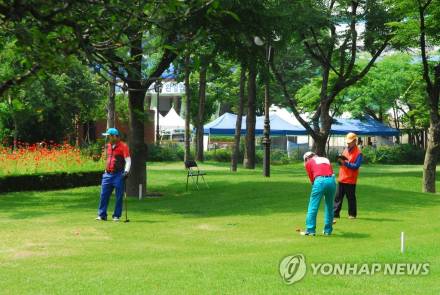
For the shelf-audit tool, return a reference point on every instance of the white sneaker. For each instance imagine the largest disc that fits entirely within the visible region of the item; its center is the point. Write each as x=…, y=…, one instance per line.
x=116, y=219
x=304, y=233
x=100, y=218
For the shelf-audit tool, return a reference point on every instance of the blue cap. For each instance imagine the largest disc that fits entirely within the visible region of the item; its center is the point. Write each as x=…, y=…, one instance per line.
x=111, y=131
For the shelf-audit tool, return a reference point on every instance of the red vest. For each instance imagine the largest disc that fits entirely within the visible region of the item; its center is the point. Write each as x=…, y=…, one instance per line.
x=116, y=155
x=347, y=175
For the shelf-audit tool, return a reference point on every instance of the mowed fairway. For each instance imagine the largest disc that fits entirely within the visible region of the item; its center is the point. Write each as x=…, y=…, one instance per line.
x=228, y=239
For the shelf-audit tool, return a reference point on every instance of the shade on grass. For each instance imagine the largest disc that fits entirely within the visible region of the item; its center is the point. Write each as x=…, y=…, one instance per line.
x=228, y=239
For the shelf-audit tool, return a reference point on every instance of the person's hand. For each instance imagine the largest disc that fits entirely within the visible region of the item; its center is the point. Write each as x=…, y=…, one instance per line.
x=125, y=174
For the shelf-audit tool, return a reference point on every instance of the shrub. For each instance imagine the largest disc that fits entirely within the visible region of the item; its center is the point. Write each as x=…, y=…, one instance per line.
x=94, y=150
x=160, y=153
x=276, y=157
x=397, y=154
x=49, y=181
x=279, y=157
x=219, y=155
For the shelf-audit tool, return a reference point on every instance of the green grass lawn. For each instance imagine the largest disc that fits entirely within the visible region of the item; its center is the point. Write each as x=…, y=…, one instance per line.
x=228, y=239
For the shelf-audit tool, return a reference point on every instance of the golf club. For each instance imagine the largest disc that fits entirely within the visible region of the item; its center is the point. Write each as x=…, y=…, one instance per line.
x=125, y=201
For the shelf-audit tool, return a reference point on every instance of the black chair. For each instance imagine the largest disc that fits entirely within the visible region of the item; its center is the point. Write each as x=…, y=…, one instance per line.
x=194, y=171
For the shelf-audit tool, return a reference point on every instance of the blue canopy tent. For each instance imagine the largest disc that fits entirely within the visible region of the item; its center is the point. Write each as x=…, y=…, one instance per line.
x=225, y=125
x=365, y=126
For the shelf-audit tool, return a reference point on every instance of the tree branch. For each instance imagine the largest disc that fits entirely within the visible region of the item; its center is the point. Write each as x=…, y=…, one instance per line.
x=350, y=67
x=290, y=100
x=19, y=79
x=344, y=84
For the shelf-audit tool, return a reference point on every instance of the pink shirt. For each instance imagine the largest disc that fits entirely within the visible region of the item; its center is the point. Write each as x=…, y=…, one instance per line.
x=318, y=166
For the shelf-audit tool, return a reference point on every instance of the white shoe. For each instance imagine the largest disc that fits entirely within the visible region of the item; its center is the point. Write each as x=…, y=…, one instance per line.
x=116, y=219
x=304, y=233
x=100, y=218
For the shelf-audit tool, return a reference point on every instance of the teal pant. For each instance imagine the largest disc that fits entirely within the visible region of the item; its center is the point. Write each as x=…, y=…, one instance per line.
x=322, y=186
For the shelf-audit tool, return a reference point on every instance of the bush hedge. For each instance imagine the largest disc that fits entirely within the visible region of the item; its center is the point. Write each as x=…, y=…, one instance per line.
x=49, y=181
x=397, y=154
x=161, y=153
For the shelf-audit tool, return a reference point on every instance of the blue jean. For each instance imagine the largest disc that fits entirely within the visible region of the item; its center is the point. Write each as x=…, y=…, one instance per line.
x=110, y=181
x=322, y=186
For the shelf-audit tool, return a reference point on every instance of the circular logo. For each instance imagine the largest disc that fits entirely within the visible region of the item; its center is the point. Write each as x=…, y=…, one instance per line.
x=293, y=268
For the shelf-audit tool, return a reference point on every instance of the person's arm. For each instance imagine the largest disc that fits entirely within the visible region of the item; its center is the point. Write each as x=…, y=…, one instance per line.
x=127, y=159
x=127, y=164
x=356, y=163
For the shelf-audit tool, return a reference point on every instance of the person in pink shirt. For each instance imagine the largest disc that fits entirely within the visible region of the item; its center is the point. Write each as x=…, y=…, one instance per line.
x=321, y=176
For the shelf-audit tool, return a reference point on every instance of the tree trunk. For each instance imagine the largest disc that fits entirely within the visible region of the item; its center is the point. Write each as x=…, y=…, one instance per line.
x=320, y=141
x=431, y=157
x=187, y=110
x=319, y=144
x=236, y=149
x=111, y=102
x=249, y=160
x=15, y=123
x=15, y=132
x=225, y=107
x=136, y=96
x=201, y=113
x=147, y=101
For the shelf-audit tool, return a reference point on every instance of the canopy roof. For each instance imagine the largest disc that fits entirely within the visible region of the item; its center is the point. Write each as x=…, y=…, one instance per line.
x=171, y=121
x=365, y=126
x=225, y=125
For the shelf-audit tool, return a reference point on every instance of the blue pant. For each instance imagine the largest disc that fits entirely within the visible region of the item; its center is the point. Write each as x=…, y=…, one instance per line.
x=110, y=181
x=322, y=186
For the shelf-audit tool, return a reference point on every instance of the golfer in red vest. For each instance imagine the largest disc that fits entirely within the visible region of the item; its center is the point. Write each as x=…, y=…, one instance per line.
x=116, y=171
x=348, y=173
x=321, y=176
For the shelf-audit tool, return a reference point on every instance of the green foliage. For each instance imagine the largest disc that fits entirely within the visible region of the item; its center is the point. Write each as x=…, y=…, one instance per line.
x=407, y=29
x=277, y=157
x=49, y=181
x=94, y=150
x=397, y=154
x=217, y=138
x=47, y=108
x=165, y=153
x=394, y=82
x=220, y=155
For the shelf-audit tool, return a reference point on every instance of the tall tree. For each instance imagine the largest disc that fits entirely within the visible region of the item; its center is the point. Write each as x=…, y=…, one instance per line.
x=201, y=112
x=237, y=136
x=111, y=104
x=249, y=158
x=187, y=69
x=333, y=41
x=431, y=75
x=419, y=27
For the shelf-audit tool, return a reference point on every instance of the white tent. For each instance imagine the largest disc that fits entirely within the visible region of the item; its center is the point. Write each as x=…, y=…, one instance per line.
x=172, y=121
x=286, y=115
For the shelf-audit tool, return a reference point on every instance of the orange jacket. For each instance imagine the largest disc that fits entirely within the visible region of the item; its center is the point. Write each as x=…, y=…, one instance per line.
x=349, y=175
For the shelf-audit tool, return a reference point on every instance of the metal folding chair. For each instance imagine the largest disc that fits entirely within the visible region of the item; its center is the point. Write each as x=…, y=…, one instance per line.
x=194, y=171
